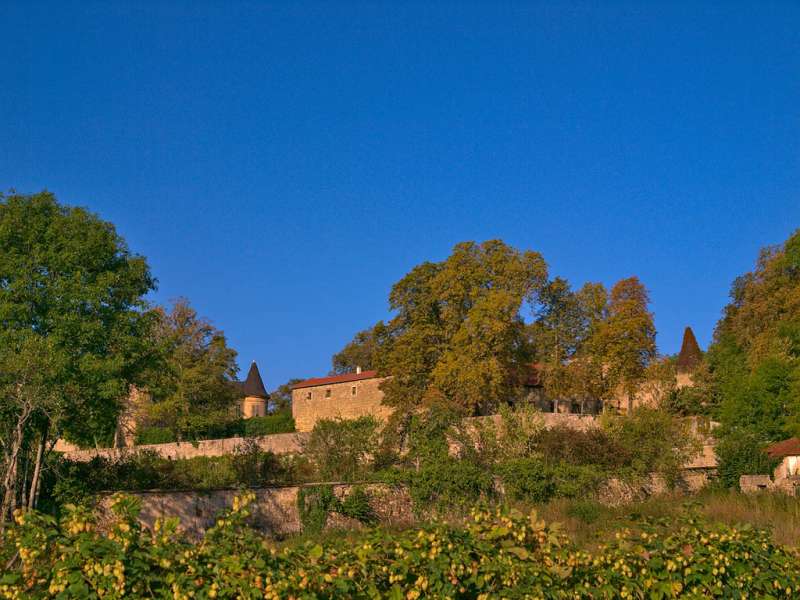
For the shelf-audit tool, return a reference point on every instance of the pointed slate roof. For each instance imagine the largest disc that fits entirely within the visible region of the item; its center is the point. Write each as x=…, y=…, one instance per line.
x=690, y=355
x=253, y=386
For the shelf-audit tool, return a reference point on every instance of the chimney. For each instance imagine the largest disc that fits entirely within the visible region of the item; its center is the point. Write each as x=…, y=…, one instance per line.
x=358, y=370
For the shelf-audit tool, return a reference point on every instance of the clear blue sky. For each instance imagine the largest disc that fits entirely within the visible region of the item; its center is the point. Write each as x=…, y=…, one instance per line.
x=282, y=164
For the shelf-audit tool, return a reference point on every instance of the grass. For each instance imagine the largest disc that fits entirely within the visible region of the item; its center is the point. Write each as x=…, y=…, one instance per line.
x=589, y=523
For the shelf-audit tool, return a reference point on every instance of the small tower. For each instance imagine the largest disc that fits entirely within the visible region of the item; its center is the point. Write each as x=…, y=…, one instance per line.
x=255, y=399
x=689, y=358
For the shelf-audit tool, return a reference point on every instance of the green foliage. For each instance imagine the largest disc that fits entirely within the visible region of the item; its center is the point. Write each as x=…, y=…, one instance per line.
x=154, y=435
x=754, y=361
x=741, y=453
x=69, y=482
x=361, y=351
x=534, y=480
x=342, y=449
x=492, y=555
x=211, y=427
x=76, y=330
x=654, y=441
x=449, y=483
x=458, y=336
x=315, y=503
x=587, y=511
x=279, y=422
x=194, y=392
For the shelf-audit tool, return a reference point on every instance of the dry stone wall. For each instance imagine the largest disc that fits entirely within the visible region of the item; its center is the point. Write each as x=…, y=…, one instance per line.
x=274, y=512
x=279, y=443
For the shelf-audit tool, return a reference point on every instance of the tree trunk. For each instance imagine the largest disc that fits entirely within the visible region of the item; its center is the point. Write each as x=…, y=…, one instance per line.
x=33, y=494
x=12, y=462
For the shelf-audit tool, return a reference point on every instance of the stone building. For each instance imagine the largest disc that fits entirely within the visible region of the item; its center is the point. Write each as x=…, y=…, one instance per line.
x=346, y=396
x=254, y=396
x=786, y=476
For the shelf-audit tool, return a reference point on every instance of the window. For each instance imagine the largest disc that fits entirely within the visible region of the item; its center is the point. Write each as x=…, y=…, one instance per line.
x=353, y=391
x=328, y=393
x=308, y=396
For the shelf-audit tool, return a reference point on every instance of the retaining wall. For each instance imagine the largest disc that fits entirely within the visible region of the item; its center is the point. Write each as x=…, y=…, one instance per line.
x=275, y=509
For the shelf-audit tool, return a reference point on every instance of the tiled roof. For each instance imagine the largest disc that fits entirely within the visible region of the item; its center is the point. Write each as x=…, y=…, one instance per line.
x=253, y=386
x=790, y=447
x=335, y=379
x=690, y=355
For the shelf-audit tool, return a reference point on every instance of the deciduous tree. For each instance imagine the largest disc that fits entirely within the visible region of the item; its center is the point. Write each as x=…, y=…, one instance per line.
x=74, y=334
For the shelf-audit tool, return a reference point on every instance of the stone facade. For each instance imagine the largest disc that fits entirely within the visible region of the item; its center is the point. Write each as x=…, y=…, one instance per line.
x=346, y=396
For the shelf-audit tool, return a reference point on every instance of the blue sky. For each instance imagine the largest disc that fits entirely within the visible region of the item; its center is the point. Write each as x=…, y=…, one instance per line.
x=282, y=164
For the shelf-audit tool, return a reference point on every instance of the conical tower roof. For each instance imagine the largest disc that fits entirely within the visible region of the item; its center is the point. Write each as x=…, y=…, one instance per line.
x=690, y=355
x=253, y=386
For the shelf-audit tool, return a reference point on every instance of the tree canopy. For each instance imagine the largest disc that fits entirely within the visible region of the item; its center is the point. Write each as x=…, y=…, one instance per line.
x=197, y=379
x=75, y=327
x=754, y=360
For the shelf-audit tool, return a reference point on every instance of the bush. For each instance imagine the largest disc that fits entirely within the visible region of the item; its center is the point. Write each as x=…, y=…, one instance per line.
x=581, y=447
x=154, y=435
x=588, y=511
x=655, y=442
x=534, y=480
x=741, y=453
x=528, y=479
x=215, y=426
x=493, y=555
x=449, y=483
x=342, y=449
x=281, y=422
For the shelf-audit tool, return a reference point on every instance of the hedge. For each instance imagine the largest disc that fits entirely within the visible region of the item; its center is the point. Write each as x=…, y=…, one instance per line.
x=199, y=429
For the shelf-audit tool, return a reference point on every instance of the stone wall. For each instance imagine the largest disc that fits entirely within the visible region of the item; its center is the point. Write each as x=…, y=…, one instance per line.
x=279, y=443
x=346, y=400
x=274, y=512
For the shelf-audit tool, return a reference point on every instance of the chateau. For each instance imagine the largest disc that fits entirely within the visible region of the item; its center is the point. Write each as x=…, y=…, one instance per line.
x=358, y=394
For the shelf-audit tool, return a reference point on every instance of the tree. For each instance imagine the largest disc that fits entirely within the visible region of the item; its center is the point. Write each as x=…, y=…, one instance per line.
x=626, y=339
x=565, y=322
x=755, y=356
x=280, y=399
x=74, y=336
x=200, y=372
x=359, y=352
x=458, y=337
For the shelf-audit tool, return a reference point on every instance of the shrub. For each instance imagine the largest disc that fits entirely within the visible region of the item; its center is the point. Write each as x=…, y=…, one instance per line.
x=281, y=422
x=655, y=441
x=315, y=503
x=588, y=511
x=342, y=449
x=528, y=479
x=534, y=480
x=449, y=483
x=578, y=447
x=741, y=453
x=154, y=435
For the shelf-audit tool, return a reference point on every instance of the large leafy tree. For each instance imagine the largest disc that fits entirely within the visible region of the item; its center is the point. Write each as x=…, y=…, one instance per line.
x=626, y=339
x=197, y=380
x=74, y=331
x=458, y=337
x=754, y=360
